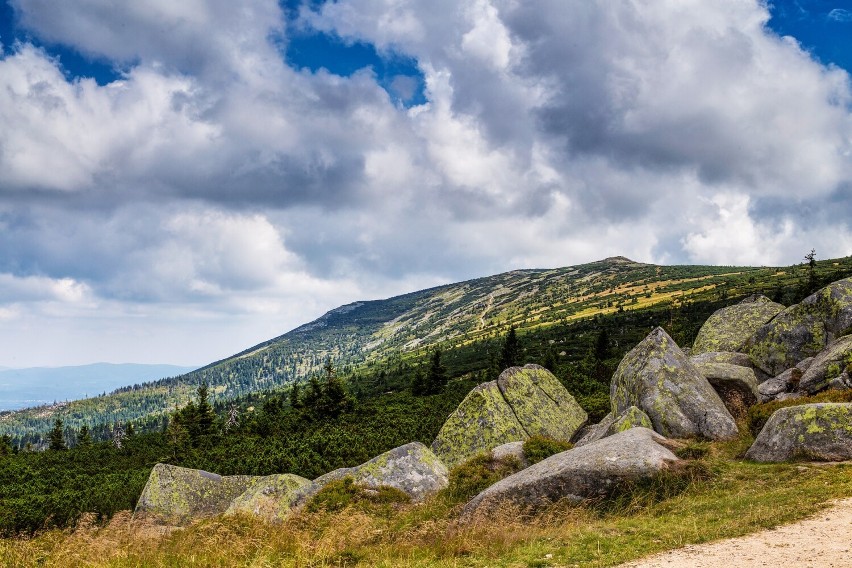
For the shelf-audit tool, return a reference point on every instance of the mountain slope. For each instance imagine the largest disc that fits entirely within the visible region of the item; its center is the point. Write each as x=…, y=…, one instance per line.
x=364, y=334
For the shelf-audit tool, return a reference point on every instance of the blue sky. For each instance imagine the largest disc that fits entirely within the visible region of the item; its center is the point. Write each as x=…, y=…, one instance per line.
x=179, y=181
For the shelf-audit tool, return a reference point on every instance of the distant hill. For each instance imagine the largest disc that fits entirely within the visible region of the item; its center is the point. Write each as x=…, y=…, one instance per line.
x=21, y=388
x=463, y=319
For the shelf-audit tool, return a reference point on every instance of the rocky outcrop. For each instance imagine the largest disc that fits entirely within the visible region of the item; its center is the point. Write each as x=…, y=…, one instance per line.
x=522, y=402
x=633, y=417
x=828, y=365
x=587, y=472
x=412, y=468
x=482, y=421
x=729, y=328
x=269, y=498
x=803, y=330
x=657, y=378
x=820, y=431
x=737, y=386
x=176, y=495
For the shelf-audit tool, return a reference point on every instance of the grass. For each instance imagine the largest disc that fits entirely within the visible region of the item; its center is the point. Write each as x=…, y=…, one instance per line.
x=722, y=497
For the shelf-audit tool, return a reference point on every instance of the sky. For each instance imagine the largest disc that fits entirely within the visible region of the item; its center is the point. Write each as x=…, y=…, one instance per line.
x=182, y=180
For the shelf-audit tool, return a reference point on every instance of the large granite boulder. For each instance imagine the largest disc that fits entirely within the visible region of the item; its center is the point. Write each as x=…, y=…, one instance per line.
x=803, y=330
x=269, y=497
x=587, y=472
x=633, y=417
x=821, y=431
x=737, y=386
x=412, y=468
x=522, y=402
x=827, y=365
x=729, y=328
x=542, y=405
x=657, y=377
x=177, y=495
x=727, y=357
x=483, y=420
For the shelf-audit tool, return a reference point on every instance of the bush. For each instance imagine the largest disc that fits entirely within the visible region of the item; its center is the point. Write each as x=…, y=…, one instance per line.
x=477, y=474
x=342, y=493
x=760, y=413
x=538, y=448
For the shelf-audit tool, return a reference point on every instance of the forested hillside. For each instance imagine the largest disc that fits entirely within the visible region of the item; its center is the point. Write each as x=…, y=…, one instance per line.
x=377, y=344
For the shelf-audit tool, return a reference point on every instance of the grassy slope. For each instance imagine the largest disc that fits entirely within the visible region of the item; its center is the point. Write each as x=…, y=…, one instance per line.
x=454, y=317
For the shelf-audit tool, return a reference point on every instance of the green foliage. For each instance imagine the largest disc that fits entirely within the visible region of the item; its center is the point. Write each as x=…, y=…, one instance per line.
x=760, y=413
x=537, y=448
x=693, y=450
x=84, y=438
x=477, y=474
x=342, y=493
x=56, y=437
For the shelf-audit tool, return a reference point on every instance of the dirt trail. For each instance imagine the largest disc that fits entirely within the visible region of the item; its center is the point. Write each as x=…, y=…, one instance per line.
x=824, y=540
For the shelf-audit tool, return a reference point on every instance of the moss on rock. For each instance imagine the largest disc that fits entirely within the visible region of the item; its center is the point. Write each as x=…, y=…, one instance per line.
x=821, y=431
x=827, y=365
x=657, y=377
x=729, y=328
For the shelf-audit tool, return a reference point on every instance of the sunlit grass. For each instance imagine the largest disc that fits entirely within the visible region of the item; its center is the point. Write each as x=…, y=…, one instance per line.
x=729, y=498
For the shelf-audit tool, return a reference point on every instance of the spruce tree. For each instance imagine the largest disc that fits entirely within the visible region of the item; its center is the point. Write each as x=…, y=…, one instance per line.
x=56, y=437
x=84, y=438
x=510, y=355
x=205, y=414
x=296, y=396
x=436, y=377
x=418, y=384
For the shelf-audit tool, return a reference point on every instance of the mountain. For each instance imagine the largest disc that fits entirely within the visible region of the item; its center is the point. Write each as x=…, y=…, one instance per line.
x=20, y=388
x=464, y=319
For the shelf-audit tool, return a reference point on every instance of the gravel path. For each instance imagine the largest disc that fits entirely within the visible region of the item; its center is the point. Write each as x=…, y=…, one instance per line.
x=824, y=540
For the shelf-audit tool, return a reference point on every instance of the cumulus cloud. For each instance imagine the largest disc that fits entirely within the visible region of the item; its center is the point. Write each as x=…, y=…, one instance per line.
x=215, y=179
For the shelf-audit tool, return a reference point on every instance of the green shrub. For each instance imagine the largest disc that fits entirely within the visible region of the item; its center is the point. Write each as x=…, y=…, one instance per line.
x=477, y=474
x=342, y=493
x=537, y=448
x=596, y=404
x=760, y=413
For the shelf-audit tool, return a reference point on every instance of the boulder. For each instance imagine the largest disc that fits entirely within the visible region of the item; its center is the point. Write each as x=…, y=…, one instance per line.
x=729, y=328
x=588, y=472
x=522, y=402
x=269, y=498
x=803, y=330
x=483, y=420
x=511, y=450
x=768, y=390
x=843, y=382
x=737, y=386
x=541, y=404
x=612, y=424
x=821, y=431
x=728, y=357
x=656, y=377
x=412, y=468
x=827, y=365
x=177, y=495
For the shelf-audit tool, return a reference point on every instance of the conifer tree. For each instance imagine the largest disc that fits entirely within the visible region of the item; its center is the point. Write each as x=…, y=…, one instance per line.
x=84, y=438
x=436, y=377
x=56, y=437
x=510, y=355
x=296, y=396
x=335, y=399
x=418, y=384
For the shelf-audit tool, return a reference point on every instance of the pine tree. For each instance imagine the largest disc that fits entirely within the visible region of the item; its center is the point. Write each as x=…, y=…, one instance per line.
x=510, y=355
x=6, y=447
x=335, y=399
x=436, y=377
x=296, y=396
x=205, y=415
x=601, y=351
x=56, y=437
x=418, y=384
x=84, y=438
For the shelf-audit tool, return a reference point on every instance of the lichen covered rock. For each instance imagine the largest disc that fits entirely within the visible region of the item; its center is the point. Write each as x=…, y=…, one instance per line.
x=657, y=377
x=269, y=498
x=482, y=421
x=729, y=328
x=737, y=386
x=177, y=495
x=820, y=431
x=522, y=402
x=803, y=330
x=412, y=468
x=541, y=404
x=632, y=417
x=587, y=472
x=829, y=364
x=728, y=357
